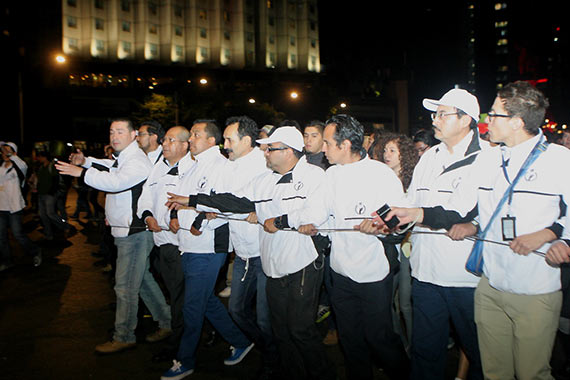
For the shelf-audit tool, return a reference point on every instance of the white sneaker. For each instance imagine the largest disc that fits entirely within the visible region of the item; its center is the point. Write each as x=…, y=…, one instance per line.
x=226, y=292
x=38, y=259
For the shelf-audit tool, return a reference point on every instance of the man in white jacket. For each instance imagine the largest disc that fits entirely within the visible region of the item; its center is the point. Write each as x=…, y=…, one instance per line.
x=361, y=276
x=12, y=178
x=167, y=172
x=292, y=262
x=122, y=179
x=204, y=245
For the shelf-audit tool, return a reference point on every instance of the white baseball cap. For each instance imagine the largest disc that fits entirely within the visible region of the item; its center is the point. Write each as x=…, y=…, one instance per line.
x=458, y=98
x=11, y=145
x=289, y=136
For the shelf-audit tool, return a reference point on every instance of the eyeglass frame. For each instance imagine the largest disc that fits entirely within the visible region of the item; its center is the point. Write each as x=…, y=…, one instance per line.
x=271, y=149
x=440, y=115
x=491, y=115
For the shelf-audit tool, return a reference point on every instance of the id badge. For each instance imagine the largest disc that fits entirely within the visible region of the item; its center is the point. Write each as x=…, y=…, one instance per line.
x=508, y=227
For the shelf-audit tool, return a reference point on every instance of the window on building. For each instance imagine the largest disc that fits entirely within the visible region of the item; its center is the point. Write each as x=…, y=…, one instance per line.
x=313, y=43
x=227, y=35
x=178, y=30
x=312, y=9
x=249, y=19
x=126, y=26
x=153, y=28
x=271, y=39
x=502, y=42
x=99, y=24
x=71, y=22
x=99, y=4
x=271, y=59
x=269, y=4
x=72, y=44
x=292, y=41
x=313, y=25
x=204, y=52
x=100, y=46
x=178, y=10
x=126, y=5
x=292, y=23
x=72, y=3
x=202, y=14
x=127, y=47
x=153, y=50
x=226, y=16
x=249, y=36
x=293, y=59
x=203, y=33
x=250, y=58
x=313, y=61
x=271, y=20
x=179, y=50
x=152, y=7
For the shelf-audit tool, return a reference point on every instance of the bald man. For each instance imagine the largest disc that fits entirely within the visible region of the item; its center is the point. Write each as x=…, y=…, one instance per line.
x=176, y=162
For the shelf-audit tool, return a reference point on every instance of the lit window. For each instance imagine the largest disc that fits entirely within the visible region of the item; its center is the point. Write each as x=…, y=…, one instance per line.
x=203, y=15
x=203, y=33
x=127, y=47
x=204, y=52
x=72, y=44
x=179, y=50
x=502, y=42
x=501, y=24
x=499, y=6
x=100, y=45
x=99, y=24
x=126, y=26
x=153, y=28
x=226, y=16
x=292, y=41
x=269, y=4
x=293, y=59
x=178, y=30
x=153, y=50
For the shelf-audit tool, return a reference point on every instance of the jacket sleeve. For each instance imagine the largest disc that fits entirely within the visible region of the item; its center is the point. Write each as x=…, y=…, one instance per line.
x=133, y=172
x=21, y=168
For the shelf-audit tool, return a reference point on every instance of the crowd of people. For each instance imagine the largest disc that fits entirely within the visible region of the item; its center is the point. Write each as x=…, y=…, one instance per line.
x=397, y=241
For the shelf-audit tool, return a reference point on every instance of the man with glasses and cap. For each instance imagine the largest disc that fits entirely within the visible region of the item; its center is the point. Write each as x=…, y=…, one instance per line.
x=522, y=202
x=293, y=262
x=442, y=290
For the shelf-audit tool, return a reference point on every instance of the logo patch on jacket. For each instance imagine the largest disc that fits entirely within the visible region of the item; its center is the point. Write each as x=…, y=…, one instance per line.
x=360, y=208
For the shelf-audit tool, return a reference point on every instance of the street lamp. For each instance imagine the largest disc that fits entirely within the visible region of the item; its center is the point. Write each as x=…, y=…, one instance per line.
x=60, y=59
x=343, y=105
x=294, y=95
x=251, y=101
x=203, y=81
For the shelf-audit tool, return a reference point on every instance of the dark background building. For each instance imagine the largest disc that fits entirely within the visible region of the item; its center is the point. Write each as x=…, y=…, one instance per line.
x=380, y=59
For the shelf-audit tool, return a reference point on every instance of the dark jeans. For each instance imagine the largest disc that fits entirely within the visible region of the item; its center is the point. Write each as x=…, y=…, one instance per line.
x=433, y=307
x=364, y=318
x=325, y=296
x=200, y=275
x=14, y=222
x=47, y=205
x=249, y=309
x=170, y=269
x=293, y=303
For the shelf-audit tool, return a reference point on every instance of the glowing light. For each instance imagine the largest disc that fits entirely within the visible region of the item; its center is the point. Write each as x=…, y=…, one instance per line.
x=251, y=100
x=203, y=81
x=60, y=59
x=294, y=95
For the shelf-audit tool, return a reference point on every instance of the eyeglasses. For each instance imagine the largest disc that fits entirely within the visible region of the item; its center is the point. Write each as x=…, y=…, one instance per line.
x=270, y=149
x=144, y=134
x=441, y=115
x=492, y=115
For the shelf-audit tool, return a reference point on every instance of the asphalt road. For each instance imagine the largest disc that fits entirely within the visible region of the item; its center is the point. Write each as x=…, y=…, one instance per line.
x=51, y=318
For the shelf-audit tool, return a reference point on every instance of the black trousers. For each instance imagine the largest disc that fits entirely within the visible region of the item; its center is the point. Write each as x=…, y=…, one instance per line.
x=170, y=268
x=366, y=333
x=293, y=301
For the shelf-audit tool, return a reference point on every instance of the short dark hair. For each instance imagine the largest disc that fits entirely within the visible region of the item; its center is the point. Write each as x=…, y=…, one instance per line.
x=426, y=136
x=129, y=122
x=155, y=128
x=246, y=127
x=211, y=129
x=523, y=100
x=317, y=124
x=348, y=128
x=291, y=123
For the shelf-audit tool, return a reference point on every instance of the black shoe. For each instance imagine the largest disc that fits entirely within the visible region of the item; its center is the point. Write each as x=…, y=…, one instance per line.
x=164, y=356
x=100, y=263
x=212, y=339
